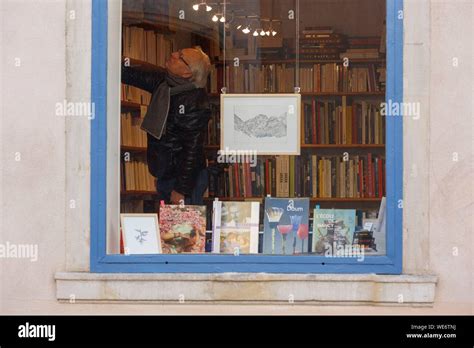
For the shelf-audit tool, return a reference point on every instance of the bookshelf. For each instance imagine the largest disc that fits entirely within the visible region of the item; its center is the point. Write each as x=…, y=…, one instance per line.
x=339, y=90
x=145, y=46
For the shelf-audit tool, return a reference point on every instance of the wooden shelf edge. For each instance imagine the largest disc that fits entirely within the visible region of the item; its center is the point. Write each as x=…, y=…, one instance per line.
x=312, y=199
x=129, y=105
x=132, y=148
x=336, y=146
x=127, y=193
x=303, y=61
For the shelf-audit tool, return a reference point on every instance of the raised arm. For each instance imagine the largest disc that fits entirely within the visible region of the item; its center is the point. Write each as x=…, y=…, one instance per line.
x=146, y=80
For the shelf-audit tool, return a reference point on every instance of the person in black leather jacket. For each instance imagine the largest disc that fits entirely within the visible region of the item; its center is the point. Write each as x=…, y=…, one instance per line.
x=175, y=123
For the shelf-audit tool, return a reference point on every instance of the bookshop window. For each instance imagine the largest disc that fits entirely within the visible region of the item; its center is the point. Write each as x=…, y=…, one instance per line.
x=247, y=136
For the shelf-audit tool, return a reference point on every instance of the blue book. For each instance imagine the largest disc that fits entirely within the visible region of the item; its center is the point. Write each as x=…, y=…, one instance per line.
x=286, y=226
x=332, y=229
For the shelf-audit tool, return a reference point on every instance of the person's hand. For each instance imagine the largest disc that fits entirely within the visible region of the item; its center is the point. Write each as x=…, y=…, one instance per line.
x=176, y=197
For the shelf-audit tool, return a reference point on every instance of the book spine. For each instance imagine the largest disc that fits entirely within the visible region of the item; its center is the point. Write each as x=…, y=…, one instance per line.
x=369, y=175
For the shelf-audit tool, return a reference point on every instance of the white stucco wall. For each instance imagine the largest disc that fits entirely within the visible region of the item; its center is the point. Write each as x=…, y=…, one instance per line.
x=36, y=191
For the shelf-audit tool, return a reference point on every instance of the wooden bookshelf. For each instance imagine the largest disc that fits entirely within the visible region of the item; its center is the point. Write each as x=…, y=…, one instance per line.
x=339, y=146
x=304, y=61
x=142, y=65
x=212, y=147
x=161, y=28
x=137, y=193
x=374, y=96
x=135, y=149
x=128, y=105
x=312, y=199
x=343, y=94
x=326, y=94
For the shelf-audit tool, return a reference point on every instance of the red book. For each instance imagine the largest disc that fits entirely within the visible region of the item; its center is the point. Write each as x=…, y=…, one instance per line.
x=267, y=178
x=380, y=178
x=122, y=248
x=318, y=118
x=369, y=175
x=372, y=167
x=361, y=179
x=313, y=122
x=237, y=180
x=249, y=179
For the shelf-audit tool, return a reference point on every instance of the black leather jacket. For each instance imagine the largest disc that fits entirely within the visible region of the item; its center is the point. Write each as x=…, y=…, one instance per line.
x=179, y=153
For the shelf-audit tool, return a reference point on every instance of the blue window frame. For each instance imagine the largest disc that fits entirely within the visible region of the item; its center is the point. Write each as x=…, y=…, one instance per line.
x=101, y=262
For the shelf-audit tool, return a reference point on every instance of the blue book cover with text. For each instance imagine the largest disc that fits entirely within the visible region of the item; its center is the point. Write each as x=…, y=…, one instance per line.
x=286, y=226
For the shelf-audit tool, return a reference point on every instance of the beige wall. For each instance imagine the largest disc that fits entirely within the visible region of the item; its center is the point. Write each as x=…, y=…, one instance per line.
x=36, y=191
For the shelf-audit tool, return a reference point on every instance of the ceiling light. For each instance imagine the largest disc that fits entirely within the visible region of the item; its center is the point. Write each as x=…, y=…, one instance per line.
x=255, y=33
x=274, y=32
x=222, y=19
x=262, y=33
x=239, y=26
x=214, y=18
x=196, y=7
x=208, y=8
x=267, y=33
x=246, y=30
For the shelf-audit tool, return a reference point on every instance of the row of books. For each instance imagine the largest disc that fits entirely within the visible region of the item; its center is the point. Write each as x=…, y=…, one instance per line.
x=360, y=53
x=235, y=230
x=136, y=177
x=325, y=122
x=146, y=45
x=315, y=44
x=212, y=136
x=361, y=176
x=334, y=77
x=130, y=132
x=134, y=95
x=280, y=78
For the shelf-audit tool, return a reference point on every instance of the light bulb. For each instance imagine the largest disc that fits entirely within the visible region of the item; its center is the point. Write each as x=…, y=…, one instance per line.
x=255, y=33
x=246, y=30
x=208, y=8
x=274, y=32
x=214, y=18
x=222, y=19
x=262, y=33
x=196, y=7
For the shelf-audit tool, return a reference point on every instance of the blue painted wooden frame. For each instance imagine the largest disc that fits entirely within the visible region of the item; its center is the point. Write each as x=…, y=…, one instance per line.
x=209, y=263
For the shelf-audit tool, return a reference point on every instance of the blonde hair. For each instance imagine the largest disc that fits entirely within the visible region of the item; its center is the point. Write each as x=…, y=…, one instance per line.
x=200, y=68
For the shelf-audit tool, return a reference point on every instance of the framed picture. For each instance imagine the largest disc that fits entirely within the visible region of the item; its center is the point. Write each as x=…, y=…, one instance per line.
x=266, y=123
x=141, y=233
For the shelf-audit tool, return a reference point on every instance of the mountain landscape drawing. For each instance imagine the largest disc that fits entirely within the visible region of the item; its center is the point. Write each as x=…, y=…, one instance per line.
x=262, y=126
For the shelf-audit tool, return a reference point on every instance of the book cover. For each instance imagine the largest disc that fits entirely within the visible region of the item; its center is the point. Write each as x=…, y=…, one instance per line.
x=332, y=229
x=183, y=229
x=235, y=227
x=286, y=226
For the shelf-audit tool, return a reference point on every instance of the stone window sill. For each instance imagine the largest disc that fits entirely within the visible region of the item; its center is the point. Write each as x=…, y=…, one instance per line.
x=259, y=288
